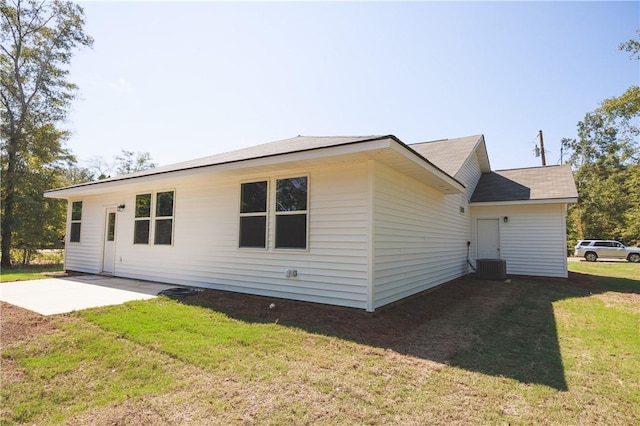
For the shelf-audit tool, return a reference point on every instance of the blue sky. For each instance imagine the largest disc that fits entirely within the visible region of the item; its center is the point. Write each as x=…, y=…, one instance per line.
x=186, y=80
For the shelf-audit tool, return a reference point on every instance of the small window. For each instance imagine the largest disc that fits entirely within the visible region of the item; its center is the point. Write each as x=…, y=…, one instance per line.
x=585, y=243
x=164, y=218
x=142, y=219
x=111, y=227
x=76, y=221
x=291, y=213
x=253, y=215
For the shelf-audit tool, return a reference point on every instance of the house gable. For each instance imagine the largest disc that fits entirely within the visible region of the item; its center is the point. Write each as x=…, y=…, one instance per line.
x=451, y=155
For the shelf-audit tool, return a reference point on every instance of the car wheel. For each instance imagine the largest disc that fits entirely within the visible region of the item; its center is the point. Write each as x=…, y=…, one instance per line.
x=634, y=257
x=591, y=256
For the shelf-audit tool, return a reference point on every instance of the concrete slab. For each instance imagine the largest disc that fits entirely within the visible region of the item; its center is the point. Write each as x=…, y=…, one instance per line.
x=60, y=295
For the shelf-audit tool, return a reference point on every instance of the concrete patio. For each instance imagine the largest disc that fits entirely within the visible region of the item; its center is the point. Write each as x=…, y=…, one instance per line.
x=61, y=295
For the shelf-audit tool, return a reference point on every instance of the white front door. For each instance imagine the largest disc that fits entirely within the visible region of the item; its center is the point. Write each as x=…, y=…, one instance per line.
x=108, y=254
x=488, y=239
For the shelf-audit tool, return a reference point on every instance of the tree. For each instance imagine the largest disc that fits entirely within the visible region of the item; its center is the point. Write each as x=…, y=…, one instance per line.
x=130, y=162
x=632, y=46
x=37, y=43
x=99, y=167
x=41, y=222
x=605, y=158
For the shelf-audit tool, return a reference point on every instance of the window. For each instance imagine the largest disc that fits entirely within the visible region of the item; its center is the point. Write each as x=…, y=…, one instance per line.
x=76, y=221
x=164, y=218
x=253, y=214
x=111, y=227
x=142, y=219
x=291, y=213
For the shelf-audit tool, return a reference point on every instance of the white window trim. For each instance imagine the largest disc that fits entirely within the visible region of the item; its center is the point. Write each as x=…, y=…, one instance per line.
x=255, y=214
x=276, y=213
x=153, y=217
x=271, y=213
x=72, y=221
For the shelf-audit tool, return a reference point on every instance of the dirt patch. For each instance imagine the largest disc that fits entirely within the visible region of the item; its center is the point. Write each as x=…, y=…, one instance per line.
x=389, y=327
x=630, y=302
x=21, y=324
x=63, y=274
x=18, y=324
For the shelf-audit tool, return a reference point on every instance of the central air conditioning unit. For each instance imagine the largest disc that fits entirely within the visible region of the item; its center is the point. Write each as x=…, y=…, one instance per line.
x=492, y=269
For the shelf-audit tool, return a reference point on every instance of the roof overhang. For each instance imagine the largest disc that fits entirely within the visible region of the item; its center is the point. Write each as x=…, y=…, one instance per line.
x=524, y=202
x=387, y=150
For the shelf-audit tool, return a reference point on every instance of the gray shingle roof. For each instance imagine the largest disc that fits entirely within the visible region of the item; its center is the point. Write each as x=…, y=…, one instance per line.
x=284, y=146
x=448, y=154
x=536, y=183
x=270, y=149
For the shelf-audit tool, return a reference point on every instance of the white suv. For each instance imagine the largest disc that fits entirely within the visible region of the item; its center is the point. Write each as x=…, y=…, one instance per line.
x=593, y=250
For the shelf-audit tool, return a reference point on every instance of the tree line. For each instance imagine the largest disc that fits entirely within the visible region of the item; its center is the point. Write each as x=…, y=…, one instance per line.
x=37, y=42
x=606, y=161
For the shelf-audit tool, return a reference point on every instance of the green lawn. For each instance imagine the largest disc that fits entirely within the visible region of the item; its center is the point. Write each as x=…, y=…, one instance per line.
x=527, y=352
x=609, y=275
x=29, y=272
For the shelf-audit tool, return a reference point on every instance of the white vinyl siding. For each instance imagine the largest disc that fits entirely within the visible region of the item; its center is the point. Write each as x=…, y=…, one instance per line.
x=469, y=174
x=420, y=236
x=205, y=249
x=533, y=240
x=86, y=256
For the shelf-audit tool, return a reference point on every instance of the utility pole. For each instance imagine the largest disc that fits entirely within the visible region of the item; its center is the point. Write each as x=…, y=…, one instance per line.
x=544, y=160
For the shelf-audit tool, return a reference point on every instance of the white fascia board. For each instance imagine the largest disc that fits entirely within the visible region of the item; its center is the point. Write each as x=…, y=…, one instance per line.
x=524, y=202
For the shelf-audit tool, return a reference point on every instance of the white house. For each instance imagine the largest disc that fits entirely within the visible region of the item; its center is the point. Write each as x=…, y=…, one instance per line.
x=352, y=221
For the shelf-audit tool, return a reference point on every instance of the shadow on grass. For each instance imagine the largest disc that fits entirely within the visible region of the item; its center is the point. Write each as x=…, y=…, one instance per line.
x=497, y=328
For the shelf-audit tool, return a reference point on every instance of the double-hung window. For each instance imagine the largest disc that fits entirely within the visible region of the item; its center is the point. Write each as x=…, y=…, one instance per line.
x=291, y=213
x=76, y=221
x=160, y=213
x=164, y=218
x=142, y=219
x=253, y=214
x=288, y=211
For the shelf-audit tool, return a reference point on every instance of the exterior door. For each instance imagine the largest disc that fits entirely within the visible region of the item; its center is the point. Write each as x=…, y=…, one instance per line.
x=488, y=239
x=108, y=254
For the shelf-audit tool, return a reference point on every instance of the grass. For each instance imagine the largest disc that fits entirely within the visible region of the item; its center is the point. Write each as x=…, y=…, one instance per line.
x=29, y=272
x=548, y=352
x=609, y=275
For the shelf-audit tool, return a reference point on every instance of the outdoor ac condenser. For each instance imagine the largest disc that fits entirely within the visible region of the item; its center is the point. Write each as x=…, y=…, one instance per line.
x=492, y=269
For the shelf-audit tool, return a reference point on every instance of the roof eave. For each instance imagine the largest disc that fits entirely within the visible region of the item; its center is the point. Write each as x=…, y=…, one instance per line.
x=445, y=183
x=567, y=200
x=368, y=148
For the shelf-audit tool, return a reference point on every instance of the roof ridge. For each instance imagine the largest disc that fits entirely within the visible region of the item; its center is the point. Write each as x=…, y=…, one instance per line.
x=479, y=135
x=531, y=167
